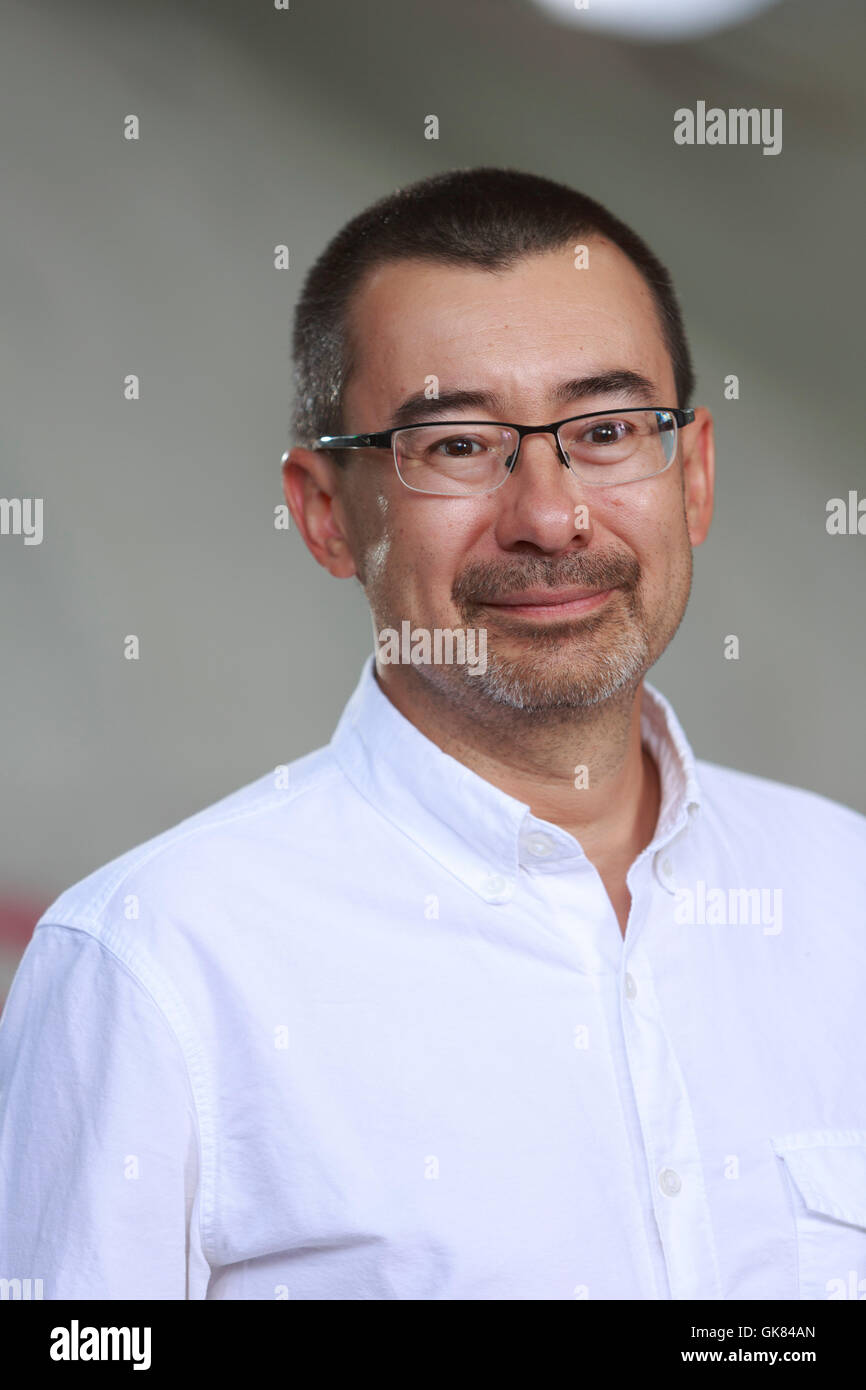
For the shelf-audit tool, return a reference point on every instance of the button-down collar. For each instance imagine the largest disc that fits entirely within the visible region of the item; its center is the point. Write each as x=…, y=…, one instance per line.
x=476, y=831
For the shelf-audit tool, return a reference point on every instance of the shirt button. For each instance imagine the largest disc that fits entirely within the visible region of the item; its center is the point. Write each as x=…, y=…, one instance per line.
x=670, y=1182
x=630, y=986
x=494, y=886
x=539, y=845
x=665, y=871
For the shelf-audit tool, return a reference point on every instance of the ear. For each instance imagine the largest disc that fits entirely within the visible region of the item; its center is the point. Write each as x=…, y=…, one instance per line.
x=312, y=496
x=699, y=473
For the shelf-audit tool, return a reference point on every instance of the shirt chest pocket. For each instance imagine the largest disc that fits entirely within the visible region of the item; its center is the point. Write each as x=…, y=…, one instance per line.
x=826, y=1175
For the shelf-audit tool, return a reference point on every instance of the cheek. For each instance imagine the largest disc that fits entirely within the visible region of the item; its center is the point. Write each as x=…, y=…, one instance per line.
x=653, y=527
x=432, y=542
x=628, y=521
x=654, y=508
x=369, y=530
x=374, y=562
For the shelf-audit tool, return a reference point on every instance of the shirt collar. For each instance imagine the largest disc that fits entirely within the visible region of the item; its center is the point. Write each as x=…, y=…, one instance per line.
x=475, y=830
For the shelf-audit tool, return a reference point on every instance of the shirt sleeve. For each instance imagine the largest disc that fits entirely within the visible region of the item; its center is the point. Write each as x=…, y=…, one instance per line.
x=99, y=1153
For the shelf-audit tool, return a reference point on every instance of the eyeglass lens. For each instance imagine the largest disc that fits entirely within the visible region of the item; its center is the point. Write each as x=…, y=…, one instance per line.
x=623, y=446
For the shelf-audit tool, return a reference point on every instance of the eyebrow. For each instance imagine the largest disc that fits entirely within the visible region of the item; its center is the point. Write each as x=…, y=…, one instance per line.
x=625, y=384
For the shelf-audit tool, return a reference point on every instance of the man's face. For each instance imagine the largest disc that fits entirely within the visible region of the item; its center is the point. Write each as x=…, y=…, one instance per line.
x=452, y=562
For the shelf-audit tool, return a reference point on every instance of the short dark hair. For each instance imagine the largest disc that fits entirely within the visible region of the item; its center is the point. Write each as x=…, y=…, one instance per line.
x=488, y=217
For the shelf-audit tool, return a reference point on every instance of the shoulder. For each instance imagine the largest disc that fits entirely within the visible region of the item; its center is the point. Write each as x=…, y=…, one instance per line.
x=763, y=807
x=209, y=858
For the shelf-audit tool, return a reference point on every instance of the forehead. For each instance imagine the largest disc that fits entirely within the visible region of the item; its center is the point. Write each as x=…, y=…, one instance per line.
x=541, y=319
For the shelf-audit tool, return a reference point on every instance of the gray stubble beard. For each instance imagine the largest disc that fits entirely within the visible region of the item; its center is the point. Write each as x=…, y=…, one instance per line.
x=549, y=678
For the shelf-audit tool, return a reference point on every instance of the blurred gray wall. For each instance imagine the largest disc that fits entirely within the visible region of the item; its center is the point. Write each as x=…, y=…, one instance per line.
x=155, y=257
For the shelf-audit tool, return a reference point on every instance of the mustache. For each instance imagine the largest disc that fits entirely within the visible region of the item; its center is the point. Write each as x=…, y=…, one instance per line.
x=485, y=582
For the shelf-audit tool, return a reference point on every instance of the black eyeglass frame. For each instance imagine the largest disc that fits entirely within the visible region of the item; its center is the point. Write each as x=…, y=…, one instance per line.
x=384, y=438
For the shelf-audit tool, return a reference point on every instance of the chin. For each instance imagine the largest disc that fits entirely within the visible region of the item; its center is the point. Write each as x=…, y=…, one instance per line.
x=542, y=684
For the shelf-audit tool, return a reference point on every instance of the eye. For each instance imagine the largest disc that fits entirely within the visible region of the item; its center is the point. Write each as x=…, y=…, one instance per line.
x=606, y=432
x=459, y=446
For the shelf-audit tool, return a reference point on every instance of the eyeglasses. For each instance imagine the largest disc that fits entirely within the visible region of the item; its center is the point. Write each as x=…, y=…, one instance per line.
x=458, y=458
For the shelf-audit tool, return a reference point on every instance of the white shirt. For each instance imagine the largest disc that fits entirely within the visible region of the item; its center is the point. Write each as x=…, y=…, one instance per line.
x=368, y=1029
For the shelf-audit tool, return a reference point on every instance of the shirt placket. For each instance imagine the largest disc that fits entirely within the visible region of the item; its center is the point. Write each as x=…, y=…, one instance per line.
x=674, y=1169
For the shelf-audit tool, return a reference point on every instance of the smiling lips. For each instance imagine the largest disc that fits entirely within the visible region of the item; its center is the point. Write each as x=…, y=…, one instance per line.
x=556, y=602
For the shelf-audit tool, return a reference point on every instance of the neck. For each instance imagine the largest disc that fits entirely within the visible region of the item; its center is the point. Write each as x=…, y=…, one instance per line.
x=584, y=770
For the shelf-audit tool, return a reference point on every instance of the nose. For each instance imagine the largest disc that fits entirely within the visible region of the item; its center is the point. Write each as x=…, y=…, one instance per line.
x=543, y=504
x=540, y=432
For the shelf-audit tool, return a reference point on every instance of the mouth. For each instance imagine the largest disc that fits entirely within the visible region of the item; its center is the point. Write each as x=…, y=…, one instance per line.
x=551, y=603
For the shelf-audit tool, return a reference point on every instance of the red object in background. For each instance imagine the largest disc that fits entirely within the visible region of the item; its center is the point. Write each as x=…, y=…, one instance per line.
x=18, y=917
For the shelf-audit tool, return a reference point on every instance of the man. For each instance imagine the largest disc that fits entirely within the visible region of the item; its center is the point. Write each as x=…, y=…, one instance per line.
x=500, y=995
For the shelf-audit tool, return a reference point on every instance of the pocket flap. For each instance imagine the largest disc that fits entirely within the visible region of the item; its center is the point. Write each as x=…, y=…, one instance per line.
x=828, y=1168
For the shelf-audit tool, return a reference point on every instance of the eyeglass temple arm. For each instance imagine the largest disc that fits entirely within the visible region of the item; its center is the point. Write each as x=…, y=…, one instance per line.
x=355, y=441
